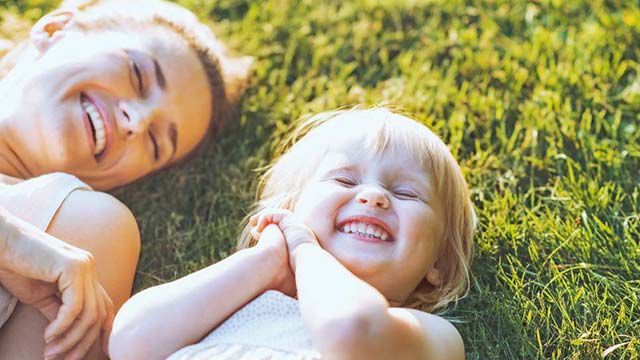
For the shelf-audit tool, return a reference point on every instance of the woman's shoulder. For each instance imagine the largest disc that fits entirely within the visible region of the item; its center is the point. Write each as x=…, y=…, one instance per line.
x=87, y=211
x=40, y=185
x=64, y=205
x=101, y=224
x=36, y=200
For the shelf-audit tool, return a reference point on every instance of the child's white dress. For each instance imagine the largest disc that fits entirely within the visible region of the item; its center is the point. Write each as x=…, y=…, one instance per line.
x=268, y=328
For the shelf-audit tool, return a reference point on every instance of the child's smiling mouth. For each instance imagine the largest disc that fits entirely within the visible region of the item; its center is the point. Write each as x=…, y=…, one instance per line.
x=366, y=228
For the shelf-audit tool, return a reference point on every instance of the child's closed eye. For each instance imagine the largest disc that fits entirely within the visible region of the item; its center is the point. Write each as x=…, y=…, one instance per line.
x=345, y=181
x=405, y=194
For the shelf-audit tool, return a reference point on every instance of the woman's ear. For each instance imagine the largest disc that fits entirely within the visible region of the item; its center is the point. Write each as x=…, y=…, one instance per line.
x=51, y=28
x=235, y=73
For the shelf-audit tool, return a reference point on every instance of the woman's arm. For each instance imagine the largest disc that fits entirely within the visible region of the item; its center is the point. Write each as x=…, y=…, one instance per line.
x=36, y=266
x=349, y=319
x=161, y=320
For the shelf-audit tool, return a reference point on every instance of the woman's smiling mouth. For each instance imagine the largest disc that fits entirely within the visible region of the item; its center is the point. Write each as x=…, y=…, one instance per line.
x=98, y=125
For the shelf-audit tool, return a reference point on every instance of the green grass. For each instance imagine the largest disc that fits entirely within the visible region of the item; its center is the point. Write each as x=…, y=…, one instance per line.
x=540, y=103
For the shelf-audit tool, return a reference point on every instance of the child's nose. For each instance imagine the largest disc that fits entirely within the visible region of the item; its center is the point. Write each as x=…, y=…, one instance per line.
x=373, y=197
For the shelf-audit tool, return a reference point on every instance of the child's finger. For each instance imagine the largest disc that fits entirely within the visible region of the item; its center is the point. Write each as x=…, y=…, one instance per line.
x=253, y=220
x=272, y=234
x=255, y=234
x=270, y=217
x=263, y=221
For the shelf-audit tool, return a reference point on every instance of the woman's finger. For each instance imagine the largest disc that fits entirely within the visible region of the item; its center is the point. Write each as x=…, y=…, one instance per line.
x=72, y=302
x=49, y=307
x=79, y=331
x=107, y=324
x=82, y=348
x=102, y=307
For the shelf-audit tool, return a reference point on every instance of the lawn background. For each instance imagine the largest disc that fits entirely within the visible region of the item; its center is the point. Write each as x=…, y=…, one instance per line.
x=539, y=101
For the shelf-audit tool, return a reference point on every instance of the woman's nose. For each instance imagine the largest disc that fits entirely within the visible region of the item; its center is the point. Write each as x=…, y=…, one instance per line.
x=373, y=196
x=133, y=120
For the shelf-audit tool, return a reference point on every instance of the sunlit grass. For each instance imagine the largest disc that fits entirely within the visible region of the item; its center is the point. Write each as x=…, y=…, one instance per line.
x=539, y=101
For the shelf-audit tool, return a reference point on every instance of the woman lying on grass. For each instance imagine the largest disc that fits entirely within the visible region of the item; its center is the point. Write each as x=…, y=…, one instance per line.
x=97, y=97
x=366, y=220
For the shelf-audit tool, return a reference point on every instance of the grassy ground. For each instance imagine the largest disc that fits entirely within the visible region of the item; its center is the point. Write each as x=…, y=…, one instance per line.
x=539, y=101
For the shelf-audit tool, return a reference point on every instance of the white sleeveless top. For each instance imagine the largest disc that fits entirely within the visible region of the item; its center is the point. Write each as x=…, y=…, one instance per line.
x=35, y=201
x=268, y=328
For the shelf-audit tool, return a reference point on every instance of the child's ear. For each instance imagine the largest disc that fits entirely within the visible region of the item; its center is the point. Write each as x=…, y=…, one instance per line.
x=51, y=28
x=435, y=275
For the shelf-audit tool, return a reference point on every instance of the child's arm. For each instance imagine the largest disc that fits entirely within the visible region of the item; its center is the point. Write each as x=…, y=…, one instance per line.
x=348, y=318
x=161, y=320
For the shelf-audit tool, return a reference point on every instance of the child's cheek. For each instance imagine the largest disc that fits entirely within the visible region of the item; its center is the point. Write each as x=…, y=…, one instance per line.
x=319, y=206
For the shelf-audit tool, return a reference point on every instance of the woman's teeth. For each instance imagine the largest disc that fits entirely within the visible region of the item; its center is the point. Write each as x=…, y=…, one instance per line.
x=98, y=125
x=368, y=230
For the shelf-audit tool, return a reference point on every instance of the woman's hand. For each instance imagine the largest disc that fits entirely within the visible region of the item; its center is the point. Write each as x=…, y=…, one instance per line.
x=294, y=231
x=59, y=280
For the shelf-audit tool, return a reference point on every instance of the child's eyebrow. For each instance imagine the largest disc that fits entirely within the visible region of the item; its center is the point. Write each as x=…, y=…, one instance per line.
x=341, y=169
x=410, y=177
x=414, y=179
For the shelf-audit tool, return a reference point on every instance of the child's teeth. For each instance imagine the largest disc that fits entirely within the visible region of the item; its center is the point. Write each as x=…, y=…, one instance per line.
x=364, y=229
x=370, y=230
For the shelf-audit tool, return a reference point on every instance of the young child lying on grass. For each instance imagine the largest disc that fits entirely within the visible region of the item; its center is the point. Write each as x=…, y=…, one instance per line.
x=366, y=220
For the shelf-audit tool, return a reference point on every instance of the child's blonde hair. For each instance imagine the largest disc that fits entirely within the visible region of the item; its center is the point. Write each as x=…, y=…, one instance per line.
x=382, y=131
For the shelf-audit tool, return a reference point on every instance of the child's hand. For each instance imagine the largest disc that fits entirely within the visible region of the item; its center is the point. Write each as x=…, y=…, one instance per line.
x=295, y=232
x=272, y=244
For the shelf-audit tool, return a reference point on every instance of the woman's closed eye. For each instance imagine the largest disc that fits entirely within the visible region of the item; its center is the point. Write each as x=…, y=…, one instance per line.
x=136, y=71
x=154, y=143
x=138, y=75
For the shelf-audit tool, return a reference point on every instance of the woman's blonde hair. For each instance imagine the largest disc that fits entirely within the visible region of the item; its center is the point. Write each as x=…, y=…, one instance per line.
x=227, y=75
x=382, y=130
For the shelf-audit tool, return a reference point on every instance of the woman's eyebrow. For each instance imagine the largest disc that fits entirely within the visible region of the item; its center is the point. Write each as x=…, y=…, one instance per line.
x=173, y=137
x=159, y=75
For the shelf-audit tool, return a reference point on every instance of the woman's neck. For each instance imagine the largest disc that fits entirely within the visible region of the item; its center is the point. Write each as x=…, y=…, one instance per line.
x=10, y=162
